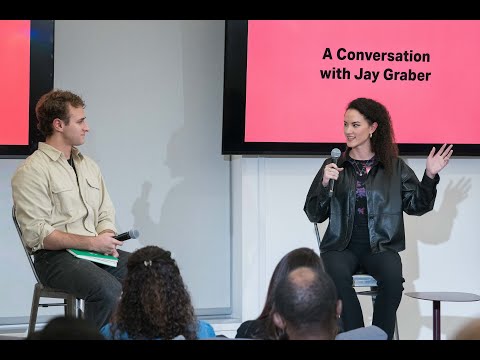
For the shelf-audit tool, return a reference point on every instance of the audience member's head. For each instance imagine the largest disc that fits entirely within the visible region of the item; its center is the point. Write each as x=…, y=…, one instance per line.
x=296, y=258
x=155, y=302
x=470, y=331
x=67, y=328
x=305, y=305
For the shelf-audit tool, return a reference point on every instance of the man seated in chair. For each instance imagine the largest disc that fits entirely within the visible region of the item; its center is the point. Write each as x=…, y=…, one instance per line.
x=61, y=201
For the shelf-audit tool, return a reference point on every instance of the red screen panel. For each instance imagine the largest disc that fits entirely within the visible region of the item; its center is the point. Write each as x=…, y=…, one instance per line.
x=302, y=74
x=15, y=78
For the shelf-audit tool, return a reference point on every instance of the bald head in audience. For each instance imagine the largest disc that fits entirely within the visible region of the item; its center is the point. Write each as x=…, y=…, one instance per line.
x=306, y=306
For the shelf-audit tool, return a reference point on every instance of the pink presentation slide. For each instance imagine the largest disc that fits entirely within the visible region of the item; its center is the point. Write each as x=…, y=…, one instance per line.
x=301, y=74
x=15, y=81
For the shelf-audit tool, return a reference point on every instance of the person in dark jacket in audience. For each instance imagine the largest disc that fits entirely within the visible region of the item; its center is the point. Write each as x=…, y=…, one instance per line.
x=262, y=327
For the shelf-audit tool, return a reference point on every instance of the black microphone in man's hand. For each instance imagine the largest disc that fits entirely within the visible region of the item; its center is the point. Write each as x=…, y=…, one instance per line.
x=131, y=234
x=335, y=154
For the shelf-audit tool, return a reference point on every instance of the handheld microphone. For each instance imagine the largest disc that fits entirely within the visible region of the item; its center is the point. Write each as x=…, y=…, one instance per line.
x=130, y=234
x=335, y=154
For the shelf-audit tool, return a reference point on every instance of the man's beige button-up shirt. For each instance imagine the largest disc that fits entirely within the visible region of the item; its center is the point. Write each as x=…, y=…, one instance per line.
x=47, y=196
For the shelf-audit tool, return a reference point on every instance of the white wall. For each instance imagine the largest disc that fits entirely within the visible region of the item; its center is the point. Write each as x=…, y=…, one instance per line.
x=153, y=91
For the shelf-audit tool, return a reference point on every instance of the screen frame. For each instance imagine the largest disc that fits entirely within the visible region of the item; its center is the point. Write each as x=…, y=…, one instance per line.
x=41, y=81
x=234, y=100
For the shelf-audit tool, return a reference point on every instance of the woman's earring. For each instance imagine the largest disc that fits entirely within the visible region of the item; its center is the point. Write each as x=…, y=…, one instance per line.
x=370, y=135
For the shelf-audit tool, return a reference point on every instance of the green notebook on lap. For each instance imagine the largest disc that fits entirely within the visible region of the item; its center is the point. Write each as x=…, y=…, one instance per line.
x=94, y=256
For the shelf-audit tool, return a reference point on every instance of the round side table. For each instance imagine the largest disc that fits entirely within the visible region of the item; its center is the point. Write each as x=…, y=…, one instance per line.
x=437, y=298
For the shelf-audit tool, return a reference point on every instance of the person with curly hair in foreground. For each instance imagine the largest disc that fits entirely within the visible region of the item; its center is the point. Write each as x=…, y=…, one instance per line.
x=155, y=303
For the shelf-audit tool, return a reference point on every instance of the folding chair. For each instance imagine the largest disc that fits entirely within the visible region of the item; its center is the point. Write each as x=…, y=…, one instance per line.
x=73, y=306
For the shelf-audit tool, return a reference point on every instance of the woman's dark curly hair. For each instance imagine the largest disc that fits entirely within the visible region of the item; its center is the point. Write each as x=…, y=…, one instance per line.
x=155, y=302
x=383, y=138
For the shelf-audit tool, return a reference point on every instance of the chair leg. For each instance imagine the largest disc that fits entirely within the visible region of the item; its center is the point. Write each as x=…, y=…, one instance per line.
x=71, y=308
x=396, y=336
x=80, y=308
x=34, y=310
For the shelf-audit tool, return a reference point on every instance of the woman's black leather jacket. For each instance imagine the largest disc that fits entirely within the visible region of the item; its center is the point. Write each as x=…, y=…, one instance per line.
x=387, y=198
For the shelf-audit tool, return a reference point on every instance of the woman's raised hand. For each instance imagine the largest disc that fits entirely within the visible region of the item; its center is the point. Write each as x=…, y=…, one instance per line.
x=436, y=162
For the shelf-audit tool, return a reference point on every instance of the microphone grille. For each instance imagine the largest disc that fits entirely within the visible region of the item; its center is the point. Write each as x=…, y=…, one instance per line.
x=336, y=153
x=134, y=233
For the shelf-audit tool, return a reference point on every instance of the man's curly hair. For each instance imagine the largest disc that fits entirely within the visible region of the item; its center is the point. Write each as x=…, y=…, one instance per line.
x=155, y=302
x=53, y=105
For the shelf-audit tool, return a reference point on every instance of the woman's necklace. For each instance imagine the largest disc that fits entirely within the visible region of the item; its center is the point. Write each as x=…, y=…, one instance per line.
x=362, y=166
x=359, y=169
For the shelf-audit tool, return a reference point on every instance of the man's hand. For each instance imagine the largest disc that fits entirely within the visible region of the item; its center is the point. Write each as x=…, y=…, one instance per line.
x=105, y=243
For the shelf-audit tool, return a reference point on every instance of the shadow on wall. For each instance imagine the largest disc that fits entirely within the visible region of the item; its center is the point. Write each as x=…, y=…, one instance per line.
x=187, y=217
x=194, y=219
x=420, y=229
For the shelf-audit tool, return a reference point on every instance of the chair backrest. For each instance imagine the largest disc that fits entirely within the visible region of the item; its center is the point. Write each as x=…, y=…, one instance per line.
x=25, y=247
